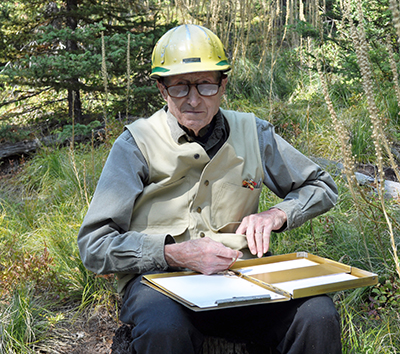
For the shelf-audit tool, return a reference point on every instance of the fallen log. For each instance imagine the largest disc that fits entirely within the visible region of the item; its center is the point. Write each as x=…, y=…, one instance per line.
x=18, y=149
x=28, y=147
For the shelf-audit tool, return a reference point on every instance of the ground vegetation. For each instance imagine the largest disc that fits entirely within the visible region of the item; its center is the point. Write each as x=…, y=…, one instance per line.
x=324, y=72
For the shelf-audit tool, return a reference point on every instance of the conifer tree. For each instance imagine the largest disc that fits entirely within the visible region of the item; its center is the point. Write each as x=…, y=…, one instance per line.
x=57, y=45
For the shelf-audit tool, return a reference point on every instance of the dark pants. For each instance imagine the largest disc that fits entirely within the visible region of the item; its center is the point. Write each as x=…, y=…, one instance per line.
x=163, y=326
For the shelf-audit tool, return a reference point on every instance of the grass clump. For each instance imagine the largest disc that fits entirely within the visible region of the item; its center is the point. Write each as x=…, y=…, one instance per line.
x=22, y=321
x=330, y=99
x=40, y=267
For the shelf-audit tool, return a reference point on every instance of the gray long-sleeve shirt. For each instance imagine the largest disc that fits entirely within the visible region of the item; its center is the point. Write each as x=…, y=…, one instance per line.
x=107, y=246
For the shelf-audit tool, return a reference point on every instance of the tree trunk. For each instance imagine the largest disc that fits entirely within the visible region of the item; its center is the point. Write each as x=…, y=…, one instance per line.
x=74, y=97
x=74, y=103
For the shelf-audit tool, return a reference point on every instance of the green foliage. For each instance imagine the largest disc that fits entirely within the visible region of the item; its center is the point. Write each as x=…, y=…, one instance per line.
x=61, y=48
x=42, y=209
x=40, y=266
x=361, y=334
x=362, y=146
x=59, y=68
x=21, y=268
x=22, y=322
x=250, y=80
x=384, y=298
x=51, y=65
x=10, y=133
x=78, y=129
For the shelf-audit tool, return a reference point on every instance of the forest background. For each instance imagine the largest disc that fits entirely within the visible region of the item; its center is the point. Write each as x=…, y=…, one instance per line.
x=72, y=73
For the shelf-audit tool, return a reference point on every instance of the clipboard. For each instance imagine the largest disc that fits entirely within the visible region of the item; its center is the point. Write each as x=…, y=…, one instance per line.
x=260, y=281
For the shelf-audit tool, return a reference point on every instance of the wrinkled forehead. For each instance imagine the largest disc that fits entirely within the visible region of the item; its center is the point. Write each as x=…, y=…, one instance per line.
x=210, y=76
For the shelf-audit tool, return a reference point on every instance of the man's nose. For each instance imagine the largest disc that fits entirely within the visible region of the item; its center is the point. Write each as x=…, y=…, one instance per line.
x=193, y=97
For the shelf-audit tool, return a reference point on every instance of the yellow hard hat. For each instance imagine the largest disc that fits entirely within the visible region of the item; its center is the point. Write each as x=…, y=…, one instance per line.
x=187, y=49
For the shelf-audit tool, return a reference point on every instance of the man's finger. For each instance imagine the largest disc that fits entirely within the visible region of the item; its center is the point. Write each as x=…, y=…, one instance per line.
x=251, y=243
x=241, y=230
x=266, y=242
x=259, y=238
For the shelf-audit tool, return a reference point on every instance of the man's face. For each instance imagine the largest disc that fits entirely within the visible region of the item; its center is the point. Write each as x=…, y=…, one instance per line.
x=193, y=111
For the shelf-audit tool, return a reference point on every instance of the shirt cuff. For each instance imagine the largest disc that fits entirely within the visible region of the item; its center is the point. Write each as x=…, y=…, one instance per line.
x=153, y=251
x=293, y=212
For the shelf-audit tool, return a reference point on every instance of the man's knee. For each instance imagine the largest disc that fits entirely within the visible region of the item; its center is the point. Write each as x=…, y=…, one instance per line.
x=315, y=328
x=319, y=312
x=159, y=324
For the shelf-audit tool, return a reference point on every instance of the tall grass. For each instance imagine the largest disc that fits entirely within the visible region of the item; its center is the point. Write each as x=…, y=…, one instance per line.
x=40, y=267
x=22, y=322
x=43, y=208
x=379, y=138
x=281, y=77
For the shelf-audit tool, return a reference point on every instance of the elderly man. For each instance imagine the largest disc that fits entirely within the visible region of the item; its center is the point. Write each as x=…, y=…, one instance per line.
x=180, y=190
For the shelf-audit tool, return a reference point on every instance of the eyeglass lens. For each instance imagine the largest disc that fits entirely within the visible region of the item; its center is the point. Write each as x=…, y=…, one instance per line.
x=179, y=91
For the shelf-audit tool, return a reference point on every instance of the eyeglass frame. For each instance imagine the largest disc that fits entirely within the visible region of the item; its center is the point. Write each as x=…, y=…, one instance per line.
x=219, y=84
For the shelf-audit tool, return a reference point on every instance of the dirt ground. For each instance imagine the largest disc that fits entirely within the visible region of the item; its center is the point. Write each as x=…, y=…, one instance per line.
x=95, y=336
x=85, y=333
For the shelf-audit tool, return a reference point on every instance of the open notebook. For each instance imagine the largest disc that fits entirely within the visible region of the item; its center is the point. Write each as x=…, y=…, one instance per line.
x=262, y=280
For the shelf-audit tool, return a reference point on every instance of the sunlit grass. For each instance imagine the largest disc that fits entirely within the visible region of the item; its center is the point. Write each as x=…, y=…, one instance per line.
x=42, y=209
x=364, y=334
x=22, y=322
x=40, y=215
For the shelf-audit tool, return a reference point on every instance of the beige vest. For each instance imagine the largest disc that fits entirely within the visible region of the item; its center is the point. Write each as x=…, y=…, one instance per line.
x=190, y=196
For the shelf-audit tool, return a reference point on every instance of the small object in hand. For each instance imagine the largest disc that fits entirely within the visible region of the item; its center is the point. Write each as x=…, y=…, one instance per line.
x=227, y=273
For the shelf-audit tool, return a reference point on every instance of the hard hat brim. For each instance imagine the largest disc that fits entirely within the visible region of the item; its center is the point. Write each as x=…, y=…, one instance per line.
x=186, y=68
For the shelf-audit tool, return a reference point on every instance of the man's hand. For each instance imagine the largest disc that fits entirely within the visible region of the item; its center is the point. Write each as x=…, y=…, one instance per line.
x=202, y=255
x=258, y=227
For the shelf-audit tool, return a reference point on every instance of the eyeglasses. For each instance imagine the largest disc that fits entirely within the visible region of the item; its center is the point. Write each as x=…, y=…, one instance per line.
x=179, y=91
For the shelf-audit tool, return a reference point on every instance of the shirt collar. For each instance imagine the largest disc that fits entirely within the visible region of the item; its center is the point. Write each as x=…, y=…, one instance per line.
x=180, y=136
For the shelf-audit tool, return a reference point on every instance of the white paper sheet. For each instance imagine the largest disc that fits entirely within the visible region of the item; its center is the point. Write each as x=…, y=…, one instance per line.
x=205, y=290
x=277, y=266
x=290, y=286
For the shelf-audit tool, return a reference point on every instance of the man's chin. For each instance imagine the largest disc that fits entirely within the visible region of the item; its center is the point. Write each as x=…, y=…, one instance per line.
x=193, y=124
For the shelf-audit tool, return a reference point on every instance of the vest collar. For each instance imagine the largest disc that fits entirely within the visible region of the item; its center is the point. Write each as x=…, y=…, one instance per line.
x=208, y=140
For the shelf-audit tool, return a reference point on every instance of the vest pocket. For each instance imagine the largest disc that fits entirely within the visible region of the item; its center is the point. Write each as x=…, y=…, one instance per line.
x=231, y=203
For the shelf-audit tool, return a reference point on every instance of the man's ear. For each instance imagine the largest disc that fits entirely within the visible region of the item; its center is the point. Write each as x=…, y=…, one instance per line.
x=162, y=90
x=224, y=82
